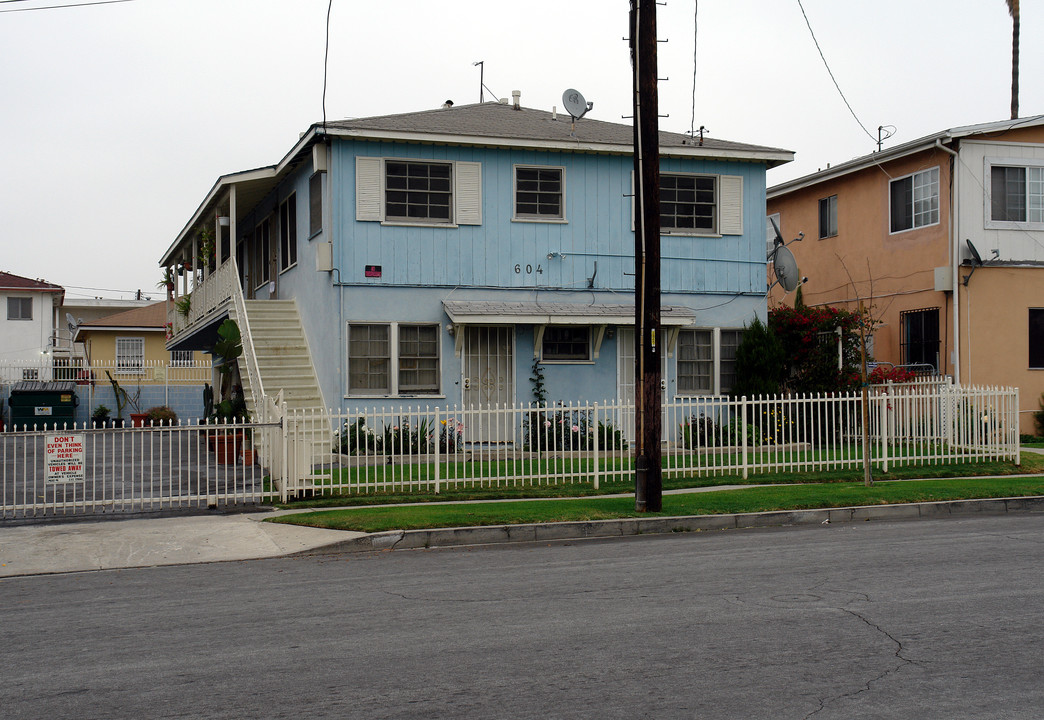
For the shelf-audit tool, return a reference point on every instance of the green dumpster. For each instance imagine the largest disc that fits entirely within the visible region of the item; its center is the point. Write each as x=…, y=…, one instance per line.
x=43, y=405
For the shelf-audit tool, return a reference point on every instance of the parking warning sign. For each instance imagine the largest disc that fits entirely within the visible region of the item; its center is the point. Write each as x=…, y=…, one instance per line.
x=64, y=458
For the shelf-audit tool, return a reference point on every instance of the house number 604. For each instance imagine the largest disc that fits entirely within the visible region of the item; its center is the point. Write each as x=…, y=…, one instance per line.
x=528, y=269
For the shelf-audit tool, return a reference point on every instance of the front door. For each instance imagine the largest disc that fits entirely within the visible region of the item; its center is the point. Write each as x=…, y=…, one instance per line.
x=489, y=380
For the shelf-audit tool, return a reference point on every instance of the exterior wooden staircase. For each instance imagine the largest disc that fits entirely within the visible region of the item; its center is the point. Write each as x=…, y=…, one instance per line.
x=274, y=341
x=280, y=350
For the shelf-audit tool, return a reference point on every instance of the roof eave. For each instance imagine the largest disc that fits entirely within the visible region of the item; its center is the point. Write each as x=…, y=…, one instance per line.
x=771, y=157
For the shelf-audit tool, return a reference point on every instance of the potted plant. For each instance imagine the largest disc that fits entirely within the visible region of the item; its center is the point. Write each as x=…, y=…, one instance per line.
x=206, y=247
x=183, y=304
x=167, y=282
x=231, y=408
x=100, y=417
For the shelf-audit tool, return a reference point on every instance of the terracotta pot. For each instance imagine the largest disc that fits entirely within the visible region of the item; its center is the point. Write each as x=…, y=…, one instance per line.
x=139, y=419
x=227, y=447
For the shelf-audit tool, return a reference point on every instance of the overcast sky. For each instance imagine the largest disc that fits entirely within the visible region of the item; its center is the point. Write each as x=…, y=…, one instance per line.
x=118, y=118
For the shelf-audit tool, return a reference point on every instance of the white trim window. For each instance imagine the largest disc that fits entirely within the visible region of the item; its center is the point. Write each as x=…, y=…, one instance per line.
x=182, y=358
x=539, y=193
x=288, y=233
x=914, y=200
x=697, y=204
x=130, y=355
x=19, y=308
x=1015, y=198
x=315, y=203
x=374, y=349
x=706, y=362
x=828, y=217
x=566, y=343
x=406, y=191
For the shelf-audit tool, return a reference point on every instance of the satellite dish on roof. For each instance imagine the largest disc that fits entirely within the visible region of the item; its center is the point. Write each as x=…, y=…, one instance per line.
x=575, y=104
x=785, y=266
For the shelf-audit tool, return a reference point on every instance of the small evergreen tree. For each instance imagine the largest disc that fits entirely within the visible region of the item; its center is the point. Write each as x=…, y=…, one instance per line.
x=760, y=362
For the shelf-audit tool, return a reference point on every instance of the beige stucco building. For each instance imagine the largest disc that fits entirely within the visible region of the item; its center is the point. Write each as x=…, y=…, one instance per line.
x=943, y=239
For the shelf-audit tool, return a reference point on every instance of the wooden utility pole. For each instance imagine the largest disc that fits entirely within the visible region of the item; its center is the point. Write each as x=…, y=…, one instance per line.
x=649, y=345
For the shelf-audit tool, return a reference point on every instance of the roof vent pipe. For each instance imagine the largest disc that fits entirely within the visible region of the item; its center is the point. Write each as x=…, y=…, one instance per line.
x=516, y=98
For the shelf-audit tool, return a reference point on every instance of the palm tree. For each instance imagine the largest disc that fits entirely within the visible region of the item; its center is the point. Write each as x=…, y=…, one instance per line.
x=1013, y=10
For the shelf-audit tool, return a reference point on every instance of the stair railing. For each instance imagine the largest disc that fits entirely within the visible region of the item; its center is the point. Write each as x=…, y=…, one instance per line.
x=249, y=356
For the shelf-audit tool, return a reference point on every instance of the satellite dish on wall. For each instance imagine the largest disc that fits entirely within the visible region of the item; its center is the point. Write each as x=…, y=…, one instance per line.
x=575, y=104
x=976, y=261
x=975, y=253
x=72, y=323
x=785, y=266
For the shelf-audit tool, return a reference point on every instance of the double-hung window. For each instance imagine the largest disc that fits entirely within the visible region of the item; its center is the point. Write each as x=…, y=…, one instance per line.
x=405, y=191
x=130, y=355
x=696, y=362
x=19, y=308
x=418, y=191
x=914, y=200
x=566, y=343
x=707, y=361
x=1016, y=195
x=688, y=203
x=288, y=233
x=315, y=203
x=828, y=217
x=539, y=193
x=393, y=359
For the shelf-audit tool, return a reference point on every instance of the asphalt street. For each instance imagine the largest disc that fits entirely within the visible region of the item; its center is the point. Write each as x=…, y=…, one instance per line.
x=933, y=619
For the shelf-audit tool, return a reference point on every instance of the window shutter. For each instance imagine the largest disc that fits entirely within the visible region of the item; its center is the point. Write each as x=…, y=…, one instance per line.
x=368, y=201
x=730, y=205
x=467, y=189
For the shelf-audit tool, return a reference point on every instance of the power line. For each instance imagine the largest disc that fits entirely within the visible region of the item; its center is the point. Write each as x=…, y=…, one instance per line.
x=59, y=7
x=831, y=73
x=326, y=59
x=695, y=30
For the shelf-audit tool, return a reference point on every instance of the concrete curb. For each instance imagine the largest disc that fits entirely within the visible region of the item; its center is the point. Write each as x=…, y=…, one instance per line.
x=542, y=532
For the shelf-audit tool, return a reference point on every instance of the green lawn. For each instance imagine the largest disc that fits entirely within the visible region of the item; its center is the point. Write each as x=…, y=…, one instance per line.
x=752, y=499
x=482, y=488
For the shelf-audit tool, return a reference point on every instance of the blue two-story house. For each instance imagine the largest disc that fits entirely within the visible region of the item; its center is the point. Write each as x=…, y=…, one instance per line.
x=431, y=258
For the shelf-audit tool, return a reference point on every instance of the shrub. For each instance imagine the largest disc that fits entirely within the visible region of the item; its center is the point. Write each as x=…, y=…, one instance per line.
x=161, y=415
x=568, y=430
x=356, y=436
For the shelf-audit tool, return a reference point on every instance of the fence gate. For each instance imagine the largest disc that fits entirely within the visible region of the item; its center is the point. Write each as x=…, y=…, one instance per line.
x=101, y=471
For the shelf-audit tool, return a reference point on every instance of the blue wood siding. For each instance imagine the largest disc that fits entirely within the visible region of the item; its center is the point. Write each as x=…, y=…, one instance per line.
x=597, y=229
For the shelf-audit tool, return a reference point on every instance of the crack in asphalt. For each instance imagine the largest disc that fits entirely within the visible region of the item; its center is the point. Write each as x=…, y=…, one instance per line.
x=823, y=702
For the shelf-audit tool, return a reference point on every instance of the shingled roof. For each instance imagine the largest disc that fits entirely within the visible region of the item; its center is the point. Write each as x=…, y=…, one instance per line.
x=17, y=282
x=150, y=317
x=492, y=123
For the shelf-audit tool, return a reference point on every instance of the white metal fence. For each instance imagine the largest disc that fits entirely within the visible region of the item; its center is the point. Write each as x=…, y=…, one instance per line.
x=429, y=448
x=77, y=470
x=85, y=470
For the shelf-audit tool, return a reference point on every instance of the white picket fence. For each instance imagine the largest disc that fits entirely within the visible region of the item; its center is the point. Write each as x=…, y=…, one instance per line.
x=415, y=448
x=76, y=470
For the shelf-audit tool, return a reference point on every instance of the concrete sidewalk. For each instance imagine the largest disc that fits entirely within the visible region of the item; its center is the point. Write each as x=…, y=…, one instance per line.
x=58, y=547
x=61, y=547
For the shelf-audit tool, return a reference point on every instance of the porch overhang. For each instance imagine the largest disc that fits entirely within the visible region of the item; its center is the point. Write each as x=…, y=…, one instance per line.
x=541, y=314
